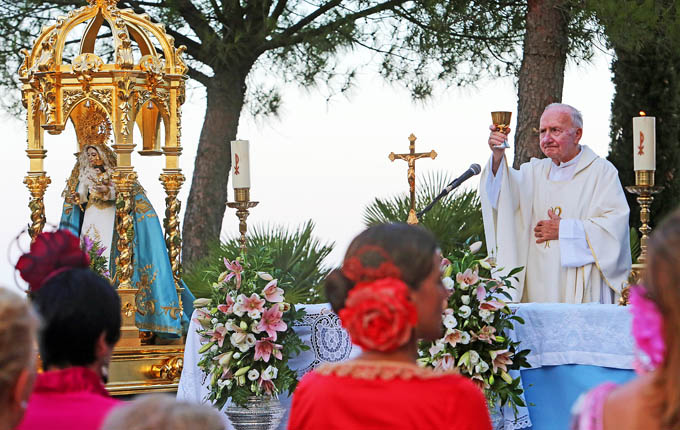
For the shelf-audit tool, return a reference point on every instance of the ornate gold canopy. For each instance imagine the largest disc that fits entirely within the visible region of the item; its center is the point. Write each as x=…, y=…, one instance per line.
x=144, y=85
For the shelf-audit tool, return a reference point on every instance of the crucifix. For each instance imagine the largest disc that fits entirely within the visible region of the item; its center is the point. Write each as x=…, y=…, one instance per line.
x=411, y=158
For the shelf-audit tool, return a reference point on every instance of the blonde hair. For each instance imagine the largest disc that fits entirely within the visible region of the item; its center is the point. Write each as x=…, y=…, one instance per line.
x=662, y=280
x=163, y=412
x=18, y=326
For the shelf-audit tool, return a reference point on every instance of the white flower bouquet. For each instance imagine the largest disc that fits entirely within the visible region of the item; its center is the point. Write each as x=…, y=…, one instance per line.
x=247, y=328
x=475, y=323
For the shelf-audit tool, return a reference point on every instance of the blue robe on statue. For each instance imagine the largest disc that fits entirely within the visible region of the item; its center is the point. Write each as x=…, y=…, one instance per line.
x=158, y=309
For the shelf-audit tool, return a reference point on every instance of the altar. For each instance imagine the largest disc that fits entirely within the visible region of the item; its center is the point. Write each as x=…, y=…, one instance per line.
x=573, y=348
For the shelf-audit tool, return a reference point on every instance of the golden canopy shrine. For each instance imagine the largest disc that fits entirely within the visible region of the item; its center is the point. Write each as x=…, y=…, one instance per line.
x=144, y=85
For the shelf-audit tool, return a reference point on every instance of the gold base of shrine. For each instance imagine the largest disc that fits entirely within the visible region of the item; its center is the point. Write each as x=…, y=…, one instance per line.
x=145, y=369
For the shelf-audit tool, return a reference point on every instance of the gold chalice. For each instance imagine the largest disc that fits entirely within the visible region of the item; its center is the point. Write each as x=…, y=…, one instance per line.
x=501, y=119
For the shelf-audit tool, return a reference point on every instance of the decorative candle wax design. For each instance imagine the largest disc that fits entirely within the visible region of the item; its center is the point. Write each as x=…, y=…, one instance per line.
x=644, y=142
x=240, y=163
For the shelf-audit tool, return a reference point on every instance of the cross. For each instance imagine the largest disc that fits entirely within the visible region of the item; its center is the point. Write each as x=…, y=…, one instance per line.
x=411, y=158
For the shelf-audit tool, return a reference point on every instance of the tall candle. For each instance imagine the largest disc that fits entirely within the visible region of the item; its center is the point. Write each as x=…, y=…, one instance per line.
x=240, y=164
x=644, y=142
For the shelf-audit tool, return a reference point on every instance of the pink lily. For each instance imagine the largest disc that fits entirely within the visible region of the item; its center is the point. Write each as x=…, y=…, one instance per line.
x=267, y=386
x=486, y=334
x=227, y=307
x=236, y=270
x=467, y=278
x=481, y=293
x=500, y=360
x=272, y=292
x=218, y=334
x=271, y=322
x=265, y=348
x=492, y=305
x=254, y=305
x=446, y=362
x=453, y=337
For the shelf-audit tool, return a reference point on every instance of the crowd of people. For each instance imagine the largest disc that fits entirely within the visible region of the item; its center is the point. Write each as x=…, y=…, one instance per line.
x=388, y=294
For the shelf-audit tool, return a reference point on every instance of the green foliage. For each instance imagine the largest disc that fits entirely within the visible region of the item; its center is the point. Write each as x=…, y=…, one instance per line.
x=456, y=220
x=635, y=249
x=297, y=260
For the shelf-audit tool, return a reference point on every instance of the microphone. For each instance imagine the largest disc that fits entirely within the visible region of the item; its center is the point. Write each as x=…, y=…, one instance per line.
x=472, y=171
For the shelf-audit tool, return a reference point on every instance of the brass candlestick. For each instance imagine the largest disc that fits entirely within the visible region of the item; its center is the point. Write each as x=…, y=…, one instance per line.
x=242, y=204
x=644, y=188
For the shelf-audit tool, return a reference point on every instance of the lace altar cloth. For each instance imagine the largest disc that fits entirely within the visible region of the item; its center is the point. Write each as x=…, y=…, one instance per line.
x=591, y=334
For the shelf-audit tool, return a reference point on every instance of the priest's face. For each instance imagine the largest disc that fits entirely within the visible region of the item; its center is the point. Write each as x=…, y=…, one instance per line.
x=559, y=136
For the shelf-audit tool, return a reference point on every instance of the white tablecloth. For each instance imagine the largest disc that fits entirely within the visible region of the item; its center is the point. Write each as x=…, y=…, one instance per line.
x=559, y=333
x=556, y=334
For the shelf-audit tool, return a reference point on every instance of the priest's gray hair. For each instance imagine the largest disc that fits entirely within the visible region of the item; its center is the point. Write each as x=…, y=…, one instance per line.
x=576, y=117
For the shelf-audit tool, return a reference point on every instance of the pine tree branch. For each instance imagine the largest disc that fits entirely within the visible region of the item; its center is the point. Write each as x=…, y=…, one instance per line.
x=282, y=39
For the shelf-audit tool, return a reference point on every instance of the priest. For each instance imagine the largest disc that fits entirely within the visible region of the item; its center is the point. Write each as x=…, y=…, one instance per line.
x=563, y=218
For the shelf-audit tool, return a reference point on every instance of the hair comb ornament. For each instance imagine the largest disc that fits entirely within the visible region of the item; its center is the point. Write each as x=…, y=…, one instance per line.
x=357, y=271
x=49, y=255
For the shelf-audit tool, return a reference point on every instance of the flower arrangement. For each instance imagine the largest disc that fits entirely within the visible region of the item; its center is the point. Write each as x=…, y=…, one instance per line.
x=95, y=250
x=475, y=322
x=247, y=327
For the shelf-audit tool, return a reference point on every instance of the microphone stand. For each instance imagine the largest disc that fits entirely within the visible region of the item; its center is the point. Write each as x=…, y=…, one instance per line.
x=430, y=205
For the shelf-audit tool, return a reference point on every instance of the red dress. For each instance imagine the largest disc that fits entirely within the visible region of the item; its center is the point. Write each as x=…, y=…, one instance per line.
x=68, y=399
x=386, y=395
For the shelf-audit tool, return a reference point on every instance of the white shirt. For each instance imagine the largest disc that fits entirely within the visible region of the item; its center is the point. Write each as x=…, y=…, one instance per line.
x=574, y=249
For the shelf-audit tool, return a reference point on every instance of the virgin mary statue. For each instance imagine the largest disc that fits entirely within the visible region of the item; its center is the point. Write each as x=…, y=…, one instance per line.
x=90, y=212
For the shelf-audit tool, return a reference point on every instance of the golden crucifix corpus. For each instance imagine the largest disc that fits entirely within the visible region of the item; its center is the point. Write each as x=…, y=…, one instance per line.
x=411, y=158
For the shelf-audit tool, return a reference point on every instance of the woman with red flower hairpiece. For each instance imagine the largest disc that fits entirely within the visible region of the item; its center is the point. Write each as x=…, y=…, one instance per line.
x=80, y=311
x=652, y=400
x=388, y=294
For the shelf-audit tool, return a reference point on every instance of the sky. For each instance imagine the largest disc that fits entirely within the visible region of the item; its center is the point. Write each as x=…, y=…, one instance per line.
x=320, y=160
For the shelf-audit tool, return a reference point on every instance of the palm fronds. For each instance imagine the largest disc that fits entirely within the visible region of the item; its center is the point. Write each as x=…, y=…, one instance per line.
x=297, y=258
x=456, y=220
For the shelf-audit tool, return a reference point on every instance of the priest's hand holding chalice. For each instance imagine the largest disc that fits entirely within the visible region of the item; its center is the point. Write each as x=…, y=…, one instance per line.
x=500, y=129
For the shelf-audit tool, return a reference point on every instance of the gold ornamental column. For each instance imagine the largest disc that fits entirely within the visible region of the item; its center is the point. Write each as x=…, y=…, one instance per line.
x=36, y=180
x=172, y=180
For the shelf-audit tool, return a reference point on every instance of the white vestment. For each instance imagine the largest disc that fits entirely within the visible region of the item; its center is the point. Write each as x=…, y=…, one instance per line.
x=100, y=214
x=592, y=207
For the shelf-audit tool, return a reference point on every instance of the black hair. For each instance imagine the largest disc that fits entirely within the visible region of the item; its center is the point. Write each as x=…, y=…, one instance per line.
x=410, y=248
x=76, y=307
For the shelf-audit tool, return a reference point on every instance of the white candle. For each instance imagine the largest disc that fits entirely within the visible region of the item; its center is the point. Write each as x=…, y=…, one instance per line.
x=240, y=164
x=644, y=142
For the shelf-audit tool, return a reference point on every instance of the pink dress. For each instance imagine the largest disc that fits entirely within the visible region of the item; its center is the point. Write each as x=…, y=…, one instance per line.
x=589, y=409
x=67, y=399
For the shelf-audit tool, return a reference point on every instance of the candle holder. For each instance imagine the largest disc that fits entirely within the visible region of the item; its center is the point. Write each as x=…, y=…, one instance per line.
x=242, y=203
x=644, y=188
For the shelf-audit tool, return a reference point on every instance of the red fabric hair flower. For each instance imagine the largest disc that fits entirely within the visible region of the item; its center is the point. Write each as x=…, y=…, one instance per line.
x=50, y=254
x=378, y=315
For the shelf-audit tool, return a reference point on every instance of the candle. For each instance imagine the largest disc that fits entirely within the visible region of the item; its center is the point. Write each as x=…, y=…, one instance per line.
x=644, y=142
x=240, y=163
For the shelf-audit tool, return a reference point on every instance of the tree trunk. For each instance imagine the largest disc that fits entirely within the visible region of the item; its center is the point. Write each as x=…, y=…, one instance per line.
x=541, y=76
x=208, y=195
